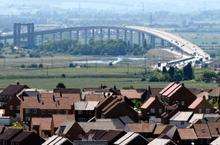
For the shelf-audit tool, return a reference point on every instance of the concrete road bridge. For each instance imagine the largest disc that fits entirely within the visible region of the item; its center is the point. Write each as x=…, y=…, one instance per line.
x=131, y=34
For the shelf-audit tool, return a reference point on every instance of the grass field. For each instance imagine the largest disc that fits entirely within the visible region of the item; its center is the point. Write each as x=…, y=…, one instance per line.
x=121, y=76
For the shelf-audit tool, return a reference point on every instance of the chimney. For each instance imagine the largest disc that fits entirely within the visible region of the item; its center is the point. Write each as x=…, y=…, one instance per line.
x=38, y=98
x=18, y=83
x=54, y=99
x=61, y=95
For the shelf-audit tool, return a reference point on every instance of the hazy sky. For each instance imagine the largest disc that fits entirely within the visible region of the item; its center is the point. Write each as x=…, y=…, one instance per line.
x=148, y=5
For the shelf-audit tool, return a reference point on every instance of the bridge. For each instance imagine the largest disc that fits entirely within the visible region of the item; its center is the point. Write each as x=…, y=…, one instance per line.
x=131, y=34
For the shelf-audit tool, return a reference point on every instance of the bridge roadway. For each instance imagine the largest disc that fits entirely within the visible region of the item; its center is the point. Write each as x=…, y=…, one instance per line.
x=184, y=45
x=179, y=42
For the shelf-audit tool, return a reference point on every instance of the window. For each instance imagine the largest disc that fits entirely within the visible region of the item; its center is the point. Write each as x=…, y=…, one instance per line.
x=182, y=103
x=152, y=110
x=207, y=111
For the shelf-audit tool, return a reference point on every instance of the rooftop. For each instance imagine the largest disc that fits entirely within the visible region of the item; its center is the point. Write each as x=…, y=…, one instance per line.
x=187, y=134
x=181, y=116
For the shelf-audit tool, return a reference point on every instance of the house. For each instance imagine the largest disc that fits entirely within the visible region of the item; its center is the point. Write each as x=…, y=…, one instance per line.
x=181, y=119
x=145, y=129
x=59, y=119
x=47, y=104
x=152, y=109
x=187, y=136
x=132, y=94
x=57, y=140
x=103, y=124
x=214, y=128
x=114, y=107
x=71, y=130
x=107, y=137
x=42, y=126
x=196, y=117
x=158, y=130
x=26, y=137
x=85, y=110
x=10, y=99
x=8, y=135
x=177, y=93
x=169, y=132
x=131, y=138
x=162, y=141
x=202, y=132
x=201, y=104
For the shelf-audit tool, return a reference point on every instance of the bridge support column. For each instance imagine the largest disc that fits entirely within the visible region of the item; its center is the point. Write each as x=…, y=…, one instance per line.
x=131, y=38
x=109, y=33
x=70, y=35
x=162, y=43
x=93, y=33
x=77, y=35
x=42, y=40
x=86, y=36
x=101, y=34
x=152, y=41
x=54, y=37
x=117, y=34
x=139, y=38
x=61, y=36
x=125, y=36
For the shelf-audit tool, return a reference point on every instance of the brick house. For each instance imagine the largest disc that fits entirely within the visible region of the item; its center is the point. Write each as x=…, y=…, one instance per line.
x=10, y=99
x=116, y=106
x=177, y=93
x=152, y=107
x=47, y=104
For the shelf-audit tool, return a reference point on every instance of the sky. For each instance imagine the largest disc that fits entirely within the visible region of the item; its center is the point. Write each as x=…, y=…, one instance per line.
x=182, y=6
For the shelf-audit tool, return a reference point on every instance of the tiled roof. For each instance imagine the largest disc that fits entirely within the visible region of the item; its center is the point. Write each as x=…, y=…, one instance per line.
x=44, y=123
x=182, y=116
x=59, y=119
x=13, y=90
x=102, y=124
x=216, y=141
x=104, y=135
x=140, y=127
x=93, y=97
x=131, y=94
x=67, y=91
x=160, y=141
x=85, y=105
x=196, y=117
x=196, y=103
x=202, y=131
x=147, y=103
x=214, y=128
x=187, y=134
x=215, y=92
x=10, y=133
x=169, y=90
x=51, y=101
x=159, y=129
x=27, y=135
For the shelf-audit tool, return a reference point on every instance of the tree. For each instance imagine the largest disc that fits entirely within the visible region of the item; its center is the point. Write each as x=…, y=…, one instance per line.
x=171, y=73
x=188, y=73
x=60, y=86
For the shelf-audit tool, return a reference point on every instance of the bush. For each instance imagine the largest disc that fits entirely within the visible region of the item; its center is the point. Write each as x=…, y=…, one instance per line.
x=41, y=65
x=71, y=65
x=23, y=66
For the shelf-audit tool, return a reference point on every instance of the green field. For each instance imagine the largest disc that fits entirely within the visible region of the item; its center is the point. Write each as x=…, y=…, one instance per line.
x=121, y=76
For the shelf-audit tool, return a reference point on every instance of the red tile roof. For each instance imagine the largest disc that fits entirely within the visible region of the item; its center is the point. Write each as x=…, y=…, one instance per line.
x=140, y=127
x=131, y=94
x=50, y=101
x=147, y=103
x=202, y=131
x=59, y=119
x=187, y=134
x=214, y=128
x=196, y=103
x=43, y=123
x=169, y=90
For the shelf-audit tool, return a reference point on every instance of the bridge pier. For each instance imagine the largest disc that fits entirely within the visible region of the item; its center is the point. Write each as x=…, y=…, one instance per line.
x=101, y=34
x=54, y=37
x=77, y=35
x=131, y=38
x=61, y=36
x=117, y=34
x=93, y=33
x=86, y=36
x=70, y=35
x=125, y=36
x=139, y=38
x=162, y=43
x=152, y=41
x=42, y=40
x=109, y=33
